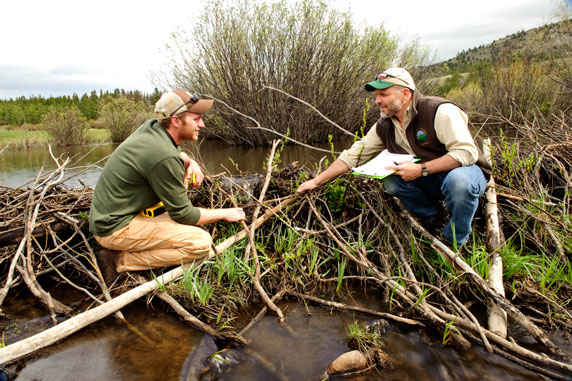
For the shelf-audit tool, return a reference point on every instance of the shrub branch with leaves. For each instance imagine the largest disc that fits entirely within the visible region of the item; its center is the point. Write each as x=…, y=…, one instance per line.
x=122, y=116
x=67, y=126
x=307, y=49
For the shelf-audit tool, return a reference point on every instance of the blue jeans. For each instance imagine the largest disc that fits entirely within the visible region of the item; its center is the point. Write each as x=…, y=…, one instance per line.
x=460, y=188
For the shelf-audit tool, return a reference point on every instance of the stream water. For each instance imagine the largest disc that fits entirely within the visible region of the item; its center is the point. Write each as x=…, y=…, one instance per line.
x=18, y=167
x=156, y=344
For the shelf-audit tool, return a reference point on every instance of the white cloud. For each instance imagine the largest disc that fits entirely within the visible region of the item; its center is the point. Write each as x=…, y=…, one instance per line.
x=66, y=46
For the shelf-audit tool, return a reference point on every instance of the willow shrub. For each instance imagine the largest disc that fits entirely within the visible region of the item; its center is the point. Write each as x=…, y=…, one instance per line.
x=121, y=116
x=67, y=126
x=306, y=49
x=517, y=90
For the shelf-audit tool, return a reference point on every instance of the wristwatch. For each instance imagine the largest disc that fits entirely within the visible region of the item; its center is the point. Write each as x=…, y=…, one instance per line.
x=424, y=170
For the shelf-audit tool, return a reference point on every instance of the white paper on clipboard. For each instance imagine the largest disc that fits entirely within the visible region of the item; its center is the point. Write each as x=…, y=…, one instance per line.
x=376, y=166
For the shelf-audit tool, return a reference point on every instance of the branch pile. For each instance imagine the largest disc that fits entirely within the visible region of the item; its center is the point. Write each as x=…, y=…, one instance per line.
x=348, y=231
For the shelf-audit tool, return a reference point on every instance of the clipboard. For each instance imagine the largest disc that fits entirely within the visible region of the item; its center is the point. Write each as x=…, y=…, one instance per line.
x=375, y=168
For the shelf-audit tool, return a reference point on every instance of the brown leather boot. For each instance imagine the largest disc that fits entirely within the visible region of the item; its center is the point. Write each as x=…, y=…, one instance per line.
x=106, y=260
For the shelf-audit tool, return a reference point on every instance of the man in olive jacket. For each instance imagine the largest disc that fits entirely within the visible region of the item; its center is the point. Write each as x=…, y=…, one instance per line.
x=149, y=168
x=435, y=131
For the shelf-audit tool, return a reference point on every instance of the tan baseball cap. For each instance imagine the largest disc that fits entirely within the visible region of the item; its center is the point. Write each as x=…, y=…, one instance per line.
x=390, y=77
x=178, y=101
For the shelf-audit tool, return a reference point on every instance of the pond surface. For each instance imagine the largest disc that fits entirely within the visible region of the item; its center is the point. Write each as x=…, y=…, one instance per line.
x=156, y=346
x=19, y=167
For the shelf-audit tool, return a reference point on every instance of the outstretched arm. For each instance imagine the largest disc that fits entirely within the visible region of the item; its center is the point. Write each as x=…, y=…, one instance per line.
x=213, y=215
x=337, y=168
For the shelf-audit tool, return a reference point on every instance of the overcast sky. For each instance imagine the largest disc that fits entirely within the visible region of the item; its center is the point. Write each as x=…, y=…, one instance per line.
x=61, y=47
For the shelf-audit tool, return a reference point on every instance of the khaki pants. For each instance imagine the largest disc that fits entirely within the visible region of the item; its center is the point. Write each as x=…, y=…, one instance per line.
x=156, y=242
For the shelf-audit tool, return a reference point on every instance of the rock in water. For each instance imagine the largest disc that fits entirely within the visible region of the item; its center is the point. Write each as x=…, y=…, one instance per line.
x=208, y=362
x=348, y=362
x=198, y=361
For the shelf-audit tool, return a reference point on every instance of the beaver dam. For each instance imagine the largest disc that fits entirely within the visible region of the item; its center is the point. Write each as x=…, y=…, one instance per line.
x=315, y=248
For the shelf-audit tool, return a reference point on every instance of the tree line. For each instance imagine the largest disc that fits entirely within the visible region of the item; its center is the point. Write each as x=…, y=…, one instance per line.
x=32, y=110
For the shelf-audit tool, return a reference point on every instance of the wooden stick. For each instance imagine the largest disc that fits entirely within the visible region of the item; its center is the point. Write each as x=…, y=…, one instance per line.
x=262, y=311
x=52, y=335
x=345, y=307
x=514, y=312
x=196, y=323
x=496, y=315
x=398, y=289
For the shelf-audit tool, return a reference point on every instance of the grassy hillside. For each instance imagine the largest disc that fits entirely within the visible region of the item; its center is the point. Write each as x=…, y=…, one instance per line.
x=551, y=41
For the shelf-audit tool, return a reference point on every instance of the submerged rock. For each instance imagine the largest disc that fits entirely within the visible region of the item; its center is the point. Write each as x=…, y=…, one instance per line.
x=198, y=361
x=348, y=362
x=207, y=362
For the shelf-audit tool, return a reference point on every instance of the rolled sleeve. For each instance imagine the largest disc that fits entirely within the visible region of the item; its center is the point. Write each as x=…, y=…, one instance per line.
x=451, y=127
x=363, y=150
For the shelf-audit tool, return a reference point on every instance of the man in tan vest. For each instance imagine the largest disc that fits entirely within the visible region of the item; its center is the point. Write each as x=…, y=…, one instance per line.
x=435, y=131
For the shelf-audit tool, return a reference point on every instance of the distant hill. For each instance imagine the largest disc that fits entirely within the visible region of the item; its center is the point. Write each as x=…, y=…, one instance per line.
x=542, y=43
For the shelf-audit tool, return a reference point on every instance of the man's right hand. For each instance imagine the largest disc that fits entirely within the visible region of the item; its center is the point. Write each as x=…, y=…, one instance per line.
x=234, y=214
x=337, y=168
x=306, y=186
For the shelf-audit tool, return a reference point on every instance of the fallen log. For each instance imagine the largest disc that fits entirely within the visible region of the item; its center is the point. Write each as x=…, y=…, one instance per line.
x=52, y=335
x=15, y=236
x=496, y=315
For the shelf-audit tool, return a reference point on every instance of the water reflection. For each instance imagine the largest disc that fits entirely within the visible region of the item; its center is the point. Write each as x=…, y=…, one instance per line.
x=20, y=167
x=157, y=345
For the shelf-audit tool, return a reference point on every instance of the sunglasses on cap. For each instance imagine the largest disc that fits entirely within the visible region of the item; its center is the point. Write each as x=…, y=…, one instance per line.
x=395, y=74
x=193, y=99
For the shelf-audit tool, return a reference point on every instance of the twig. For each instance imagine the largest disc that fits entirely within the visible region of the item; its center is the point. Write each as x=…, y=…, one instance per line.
x=345, y=307
x=312, y=107
x=196, y=323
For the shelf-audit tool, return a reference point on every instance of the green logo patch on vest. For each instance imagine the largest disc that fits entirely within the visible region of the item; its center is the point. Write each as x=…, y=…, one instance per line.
x=421, y=136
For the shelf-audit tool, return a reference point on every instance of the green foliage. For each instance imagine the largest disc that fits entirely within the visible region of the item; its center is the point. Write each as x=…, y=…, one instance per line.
x=335, y=192
x=198, y=288
x=67, y=126
x=512, y=165
x=32, y=110
x=363, y=338
x=361, y=132
x=284, y=241
x=478, y=258
x=447, y=337
x=498, y=88
x=451, y=82
x=122, y=116
x=306, y=49
x=341, y=270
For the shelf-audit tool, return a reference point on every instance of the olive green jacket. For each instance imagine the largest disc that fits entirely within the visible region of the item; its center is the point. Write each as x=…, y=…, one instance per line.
x=145, y=169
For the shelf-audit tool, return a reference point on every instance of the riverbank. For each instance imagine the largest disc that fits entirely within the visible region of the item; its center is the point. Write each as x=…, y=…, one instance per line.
x=14, y=139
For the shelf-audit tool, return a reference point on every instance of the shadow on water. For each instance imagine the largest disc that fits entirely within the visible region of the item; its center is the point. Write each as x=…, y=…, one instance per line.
x=160, y=347
x=18, y=167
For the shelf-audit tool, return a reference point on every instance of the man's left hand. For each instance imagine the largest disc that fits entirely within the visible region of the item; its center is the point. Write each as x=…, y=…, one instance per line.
x=407, y=170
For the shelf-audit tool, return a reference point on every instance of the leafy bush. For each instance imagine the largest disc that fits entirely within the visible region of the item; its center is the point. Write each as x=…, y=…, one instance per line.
x=121, y=116
x=305, y=49
x=67, y=126
x=514, y=91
